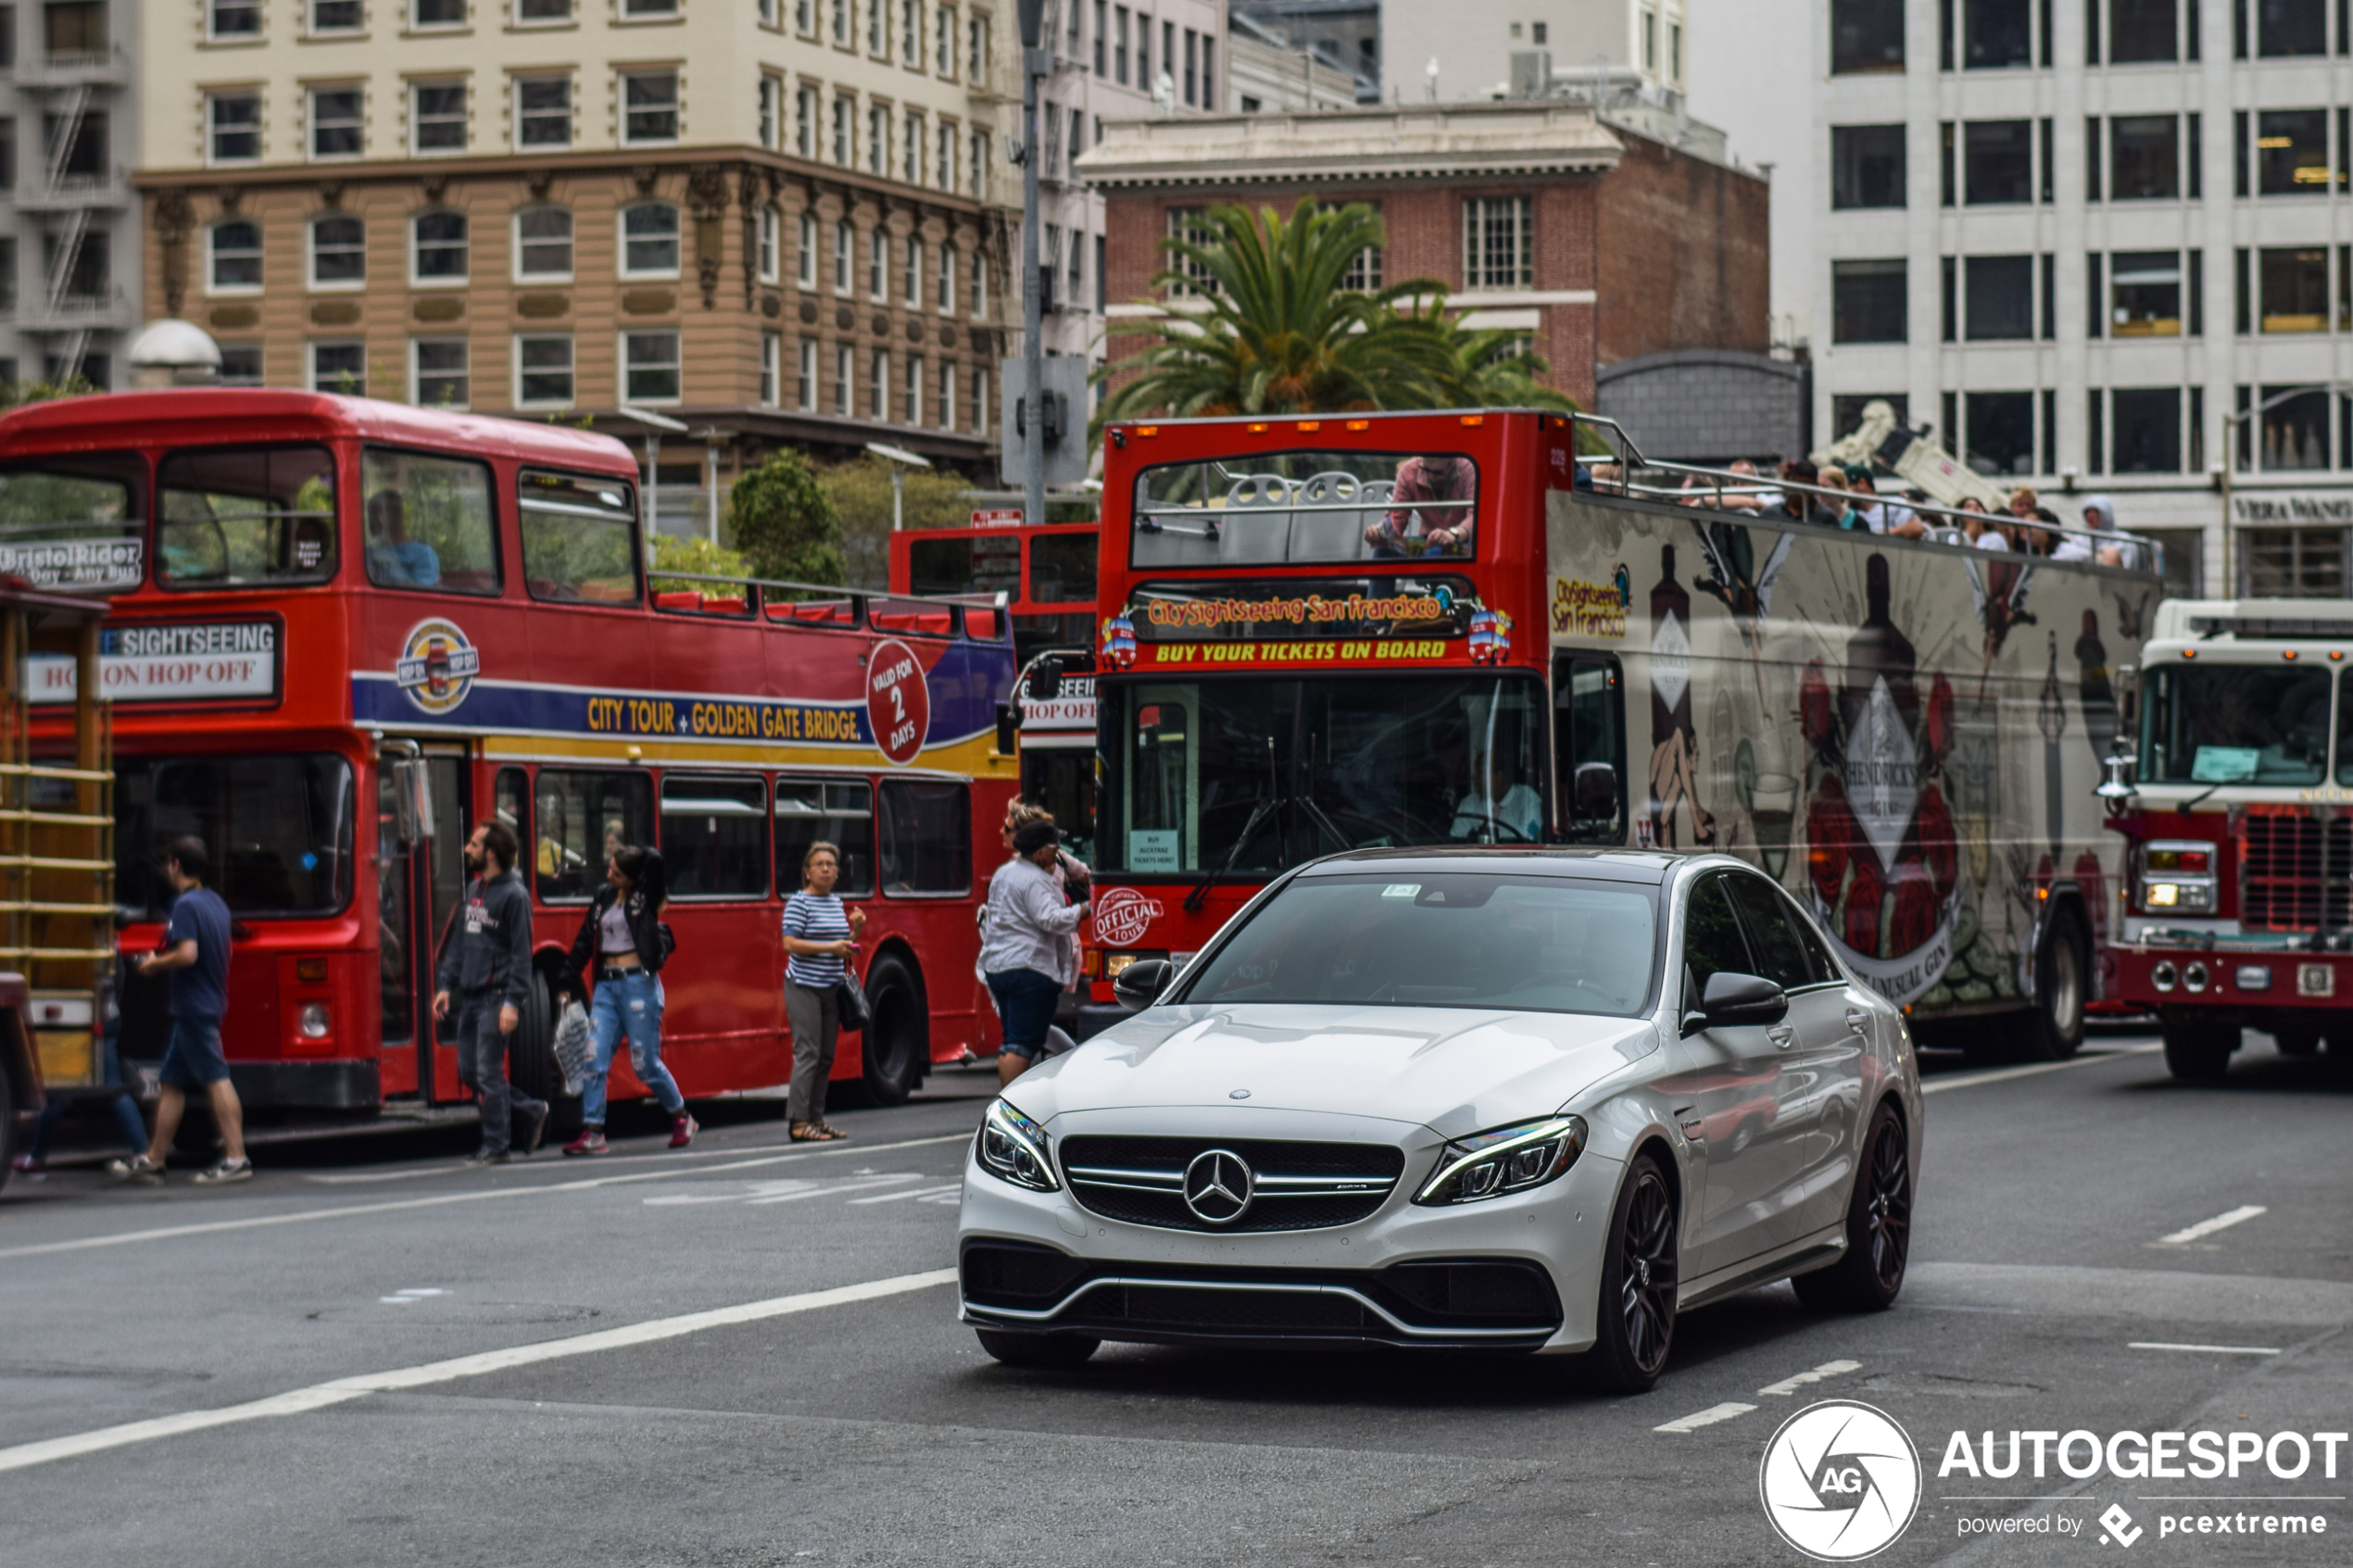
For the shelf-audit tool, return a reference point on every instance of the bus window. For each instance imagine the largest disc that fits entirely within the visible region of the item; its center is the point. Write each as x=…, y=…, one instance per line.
x=927, y=837
x=584, y=817
x=1063, y=781
x=1061, y=568
x=1589, y=738
x=1305, y=507
x=71, y=522
x=511, y=799
x=428, y=522
x=980, y=625
x=239, y=516
x=839, y=812
x=965, y=564
x=579, y=538
x=278, y=828
x=713, y=837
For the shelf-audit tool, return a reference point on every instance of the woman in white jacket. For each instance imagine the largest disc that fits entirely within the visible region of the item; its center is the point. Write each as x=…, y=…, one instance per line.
x=1028, y=954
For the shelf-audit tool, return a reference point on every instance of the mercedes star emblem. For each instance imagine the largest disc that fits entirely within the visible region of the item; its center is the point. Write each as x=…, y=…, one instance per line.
x=1218, y=1185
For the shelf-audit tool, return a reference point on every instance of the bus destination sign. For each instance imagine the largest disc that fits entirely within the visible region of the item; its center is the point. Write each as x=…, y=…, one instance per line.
x=75, y=563
x=192, y=662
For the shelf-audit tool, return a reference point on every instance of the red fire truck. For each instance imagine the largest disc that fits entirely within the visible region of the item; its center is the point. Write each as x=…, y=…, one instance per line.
x=2240, y=843
x=345, y=632
x=1320, y=635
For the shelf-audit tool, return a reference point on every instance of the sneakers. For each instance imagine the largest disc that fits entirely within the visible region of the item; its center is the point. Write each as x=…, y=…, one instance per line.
x=138, y=1169
x=590, y=1141
x=485, y=1157
x=26, y=1165
x=683, y=1129
x=538, y=1128
x=224, y=1173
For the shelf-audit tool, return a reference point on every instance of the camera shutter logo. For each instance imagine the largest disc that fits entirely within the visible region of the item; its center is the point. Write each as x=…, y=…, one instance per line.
x=437, y=664
x=1841, y=1481
x=1122, y=915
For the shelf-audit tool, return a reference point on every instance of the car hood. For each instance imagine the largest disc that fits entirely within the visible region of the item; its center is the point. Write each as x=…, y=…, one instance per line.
x=1453, y=1070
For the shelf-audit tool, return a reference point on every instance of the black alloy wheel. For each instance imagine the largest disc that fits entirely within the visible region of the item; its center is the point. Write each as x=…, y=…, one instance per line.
x=1868, y=1276
x=1038, y=1350
x=897, y=1040
x=1635, y=1326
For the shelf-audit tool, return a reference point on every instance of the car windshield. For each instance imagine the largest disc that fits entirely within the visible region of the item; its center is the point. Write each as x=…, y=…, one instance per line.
x=1254, y=776
x=1455, y=939
x=2235, y=724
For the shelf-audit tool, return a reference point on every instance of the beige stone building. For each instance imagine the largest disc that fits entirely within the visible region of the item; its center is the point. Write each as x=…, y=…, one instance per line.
x=782, y=220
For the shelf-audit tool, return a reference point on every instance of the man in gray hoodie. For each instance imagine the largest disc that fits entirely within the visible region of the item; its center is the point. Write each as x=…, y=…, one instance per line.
x=487, y=966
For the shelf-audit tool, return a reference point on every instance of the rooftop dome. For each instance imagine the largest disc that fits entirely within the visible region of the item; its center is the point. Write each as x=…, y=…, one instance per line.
x=176, y=346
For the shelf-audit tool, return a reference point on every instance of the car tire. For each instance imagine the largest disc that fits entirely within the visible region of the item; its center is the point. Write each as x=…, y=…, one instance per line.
x=1634, y=1327
x=2197, y=1050
x=2052, y=1029
x=1038, y=1350
x=2300, y=1041
x=1879, y=1227
x=896, y=1046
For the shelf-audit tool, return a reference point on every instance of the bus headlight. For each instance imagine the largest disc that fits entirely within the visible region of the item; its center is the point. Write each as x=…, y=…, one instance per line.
x=312, y=1020
x=1013, y=1148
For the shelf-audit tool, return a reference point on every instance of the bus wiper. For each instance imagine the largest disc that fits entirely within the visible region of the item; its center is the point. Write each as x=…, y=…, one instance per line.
x=1199, y=895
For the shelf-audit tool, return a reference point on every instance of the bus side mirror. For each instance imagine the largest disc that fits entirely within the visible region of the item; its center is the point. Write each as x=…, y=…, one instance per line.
x=1595, y=794
x=1140, y=984
x=412, y=800
x=1044, y=682
x=1008, y=728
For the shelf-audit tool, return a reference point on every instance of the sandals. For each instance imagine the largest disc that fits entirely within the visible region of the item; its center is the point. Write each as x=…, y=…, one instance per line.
x=815, y=1132
x=829, y=1132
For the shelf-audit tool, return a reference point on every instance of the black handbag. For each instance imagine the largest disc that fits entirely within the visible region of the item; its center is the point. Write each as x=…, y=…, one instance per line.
x=850, y=1000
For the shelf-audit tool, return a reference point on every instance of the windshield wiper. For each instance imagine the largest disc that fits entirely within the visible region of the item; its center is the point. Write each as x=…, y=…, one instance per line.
x=1199, y=895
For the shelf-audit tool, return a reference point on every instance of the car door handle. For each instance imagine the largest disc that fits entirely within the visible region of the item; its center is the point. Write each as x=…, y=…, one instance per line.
x=1782, y=1035
x=1857, y=1020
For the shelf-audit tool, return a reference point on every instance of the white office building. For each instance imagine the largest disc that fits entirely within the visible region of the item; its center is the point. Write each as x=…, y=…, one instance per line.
x=2097, y=243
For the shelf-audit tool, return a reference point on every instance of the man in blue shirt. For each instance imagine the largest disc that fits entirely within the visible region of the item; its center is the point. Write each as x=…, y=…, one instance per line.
x=195, y=957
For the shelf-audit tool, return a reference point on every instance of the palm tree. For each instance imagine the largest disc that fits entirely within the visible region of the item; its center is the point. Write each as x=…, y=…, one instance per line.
x=1278, y=332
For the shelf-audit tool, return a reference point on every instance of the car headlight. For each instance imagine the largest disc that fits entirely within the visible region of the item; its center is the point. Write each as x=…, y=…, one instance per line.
x=1013, y=1148
x=1505, y=1161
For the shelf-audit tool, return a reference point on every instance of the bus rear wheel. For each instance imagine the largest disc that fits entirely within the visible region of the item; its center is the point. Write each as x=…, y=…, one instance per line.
x=898, y=1036
x=531, y=1061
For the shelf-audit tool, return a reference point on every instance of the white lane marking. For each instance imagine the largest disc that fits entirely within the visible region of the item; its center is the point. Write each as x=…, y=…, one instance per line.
x=2006, y=1073
x=424, y=1290
x=758, y=1189
x=165, y=1233
x=359, y=1177
x=2208, y=1227
x=321, y=1395
x=917, y=1192
x=1828, y=1369
x=1692, y=1423
x=2204, y=1349
x=837, y=1187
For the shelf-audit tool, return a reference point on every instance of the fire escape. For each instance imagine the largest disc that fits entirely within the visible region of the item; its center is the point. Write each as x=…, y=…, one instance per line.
x=75, y=191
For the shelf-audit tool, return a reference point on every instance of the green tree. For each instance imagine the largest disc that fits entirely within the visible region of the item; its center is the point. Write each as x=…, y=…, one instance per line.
x=17, y=394
x=861, y=494
x=783, y=522
x=697, y=555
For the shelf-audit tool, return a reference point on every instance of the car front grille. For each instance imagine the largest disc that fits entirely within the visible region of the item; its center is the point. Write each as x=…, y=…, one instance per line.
x=1296, y=1186
x=2295, y=868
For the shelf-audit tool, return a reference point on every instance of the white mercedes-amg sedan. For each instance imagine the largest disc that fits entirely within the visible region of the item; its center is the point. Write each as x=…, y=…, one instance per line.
x=1497, y=1099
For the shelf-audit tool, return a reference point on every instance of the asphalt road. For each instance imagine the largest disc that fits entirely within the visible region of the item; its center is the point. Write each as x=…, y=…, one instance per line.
x=739, y=1405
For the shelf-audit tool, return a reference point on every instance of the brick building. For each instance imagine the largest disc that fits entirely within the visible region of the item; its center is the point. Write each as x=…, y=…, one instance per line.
x=1603, y=243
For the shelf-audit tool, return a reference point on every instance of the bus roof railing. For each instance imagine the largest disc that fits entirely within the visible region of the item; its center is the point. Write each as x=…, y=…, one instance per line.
x=762, y=592
x=1723, y=482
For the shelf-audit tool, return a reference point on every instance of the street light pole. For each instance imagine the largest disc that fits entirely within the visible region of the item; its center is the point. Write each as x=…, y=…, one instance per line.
x=1034, y=64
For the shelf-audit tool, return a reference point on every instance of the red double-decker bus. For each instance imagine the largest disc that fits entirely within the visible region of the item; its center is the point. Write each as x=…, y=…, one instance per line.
x=1336, y=634
x=345, y=632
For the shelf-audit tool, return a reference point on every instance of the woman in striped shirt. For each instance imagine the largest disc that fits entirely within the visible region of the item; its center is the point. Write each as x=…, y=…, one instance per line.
x=821, y=937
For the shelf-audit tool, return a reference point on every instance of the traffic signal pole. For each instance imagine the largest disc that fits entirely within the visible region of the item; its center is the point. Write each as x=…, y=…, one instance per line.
x=1035, y=64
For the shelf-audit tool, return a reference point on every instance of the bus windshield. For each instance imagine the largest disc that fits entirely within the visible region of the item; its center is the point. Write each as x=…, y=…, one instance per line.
x=279, y=829
x=1252, y=776
x=1305, y=507
x=2236, y=724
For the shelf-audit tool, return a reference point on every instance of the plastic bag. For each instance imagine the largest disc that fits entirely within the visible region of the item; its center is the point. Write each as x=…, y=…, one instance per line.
x=575, y=1053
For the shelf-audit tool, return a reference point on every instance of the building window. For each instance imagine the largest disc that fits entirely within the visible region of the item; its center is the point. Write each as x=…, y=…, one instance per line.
x=2148, y=426
x=1867, y=166
x=437, y=13
x=648, y=8
x=234, y=126
x=911, y=150
x=2140, y=30
x=772, y=114
x=437, y=377
x=1997, y=34
x=529, y=11
x=911, y=31
x=649, y=106
x=2145, y=157
x=1119, y=45
x=1363, y=274
x=980, y=399
x=240, y=364
x=2144, y=293
x=439, y=248
x=1499, y=243
x=2286, y=29
x=1997, y=161
x=805, y=392
x=2296, y=430
x=2292, y=153
x=339, y=368
x=878, y=386
x=2000, y=297
x=843, y=109
x=334, y=16
x=2000, y=433
x=772, y=245
x=943, y=41
x=543, y=245
x=943, y=167
x=649, y=367
x=2295, y=290
x=804, y=15
x=1869, y=301
x=876, y=24
x=845, y=360
x=335, y=123
x=911, y=275
x=543, y=111
x=804, y=122
x=915, y=389
x=232, y=256
x=947, y=277
x=805, y=259
x=976, y=49
x=1189, y=225
x=877, y=139
x=976, y=165
x=437, y=117
x=845, y=239
x=877, y=245
x=947, y=413
x=7, y=152
x=772, y=366
x=650, y=240
x=841, y=21
x=338, y=251
x=543, y=369
x=231, y=20
x=2295, y=563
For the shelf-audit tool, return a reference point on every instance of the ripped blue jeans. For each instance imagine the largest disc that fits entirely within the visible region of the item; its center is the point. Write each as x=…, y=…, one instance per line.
x=632, y=1005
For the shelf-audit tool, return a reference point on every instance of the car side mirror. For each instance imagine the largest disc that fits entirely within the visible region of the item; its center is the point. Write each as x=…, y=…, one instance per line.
x=1139, y=985
x=1733, y=1000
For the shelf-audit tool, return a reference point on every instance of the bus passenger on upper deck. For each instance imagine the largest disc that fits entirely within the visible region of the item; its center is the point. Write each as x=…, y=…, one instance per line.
x=395, y=560
x=1416, y=529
